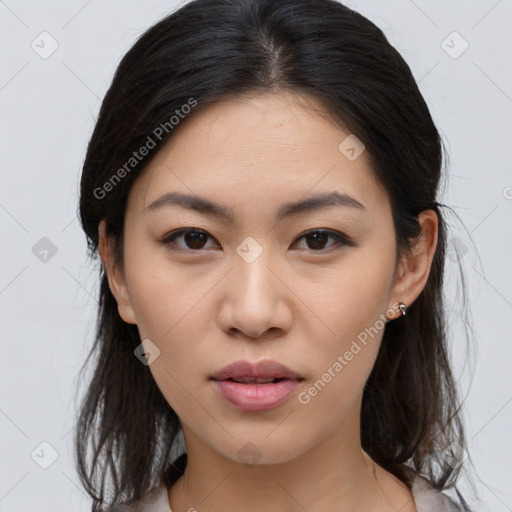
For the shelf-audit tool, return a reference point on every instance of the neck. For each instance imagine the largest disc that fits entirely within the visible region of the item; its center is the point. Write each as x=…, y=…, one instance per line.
x=336, y=474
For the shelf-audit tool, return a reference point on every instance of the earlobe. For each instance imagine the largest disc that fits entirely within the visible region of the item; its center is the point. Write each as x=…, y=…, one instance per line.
x=415, y=267
x=116, y=279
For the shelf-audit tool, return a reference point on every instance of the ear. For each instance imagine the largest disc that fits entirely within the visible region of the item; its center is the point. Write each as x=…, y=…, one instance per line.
x=115, y=275
x=414, y=268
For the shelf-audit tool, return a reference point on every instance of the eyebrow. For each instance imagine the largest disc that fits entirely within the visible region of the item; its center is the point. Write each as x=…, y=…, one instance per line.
x=207, y=207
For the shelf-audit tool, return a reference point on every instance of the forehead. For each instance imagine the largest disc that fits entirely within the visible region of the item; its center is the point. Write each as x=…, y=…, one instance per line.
x=264, y=148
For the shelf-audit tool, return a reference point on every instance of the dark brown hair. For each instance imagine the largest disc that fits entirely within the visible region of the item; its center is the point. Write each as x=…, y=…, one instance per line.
x=209, y=50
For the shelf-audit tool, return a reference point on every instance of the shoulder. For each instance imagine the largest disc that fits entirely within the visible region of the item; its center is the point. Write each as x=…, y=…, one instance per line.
x=429, y=499
x=426, y=499
x=155, y=501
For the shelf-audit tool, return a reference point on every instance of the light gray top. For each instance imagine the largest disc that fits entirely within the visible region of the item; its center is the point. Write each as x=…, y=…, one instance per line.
x=426, y=499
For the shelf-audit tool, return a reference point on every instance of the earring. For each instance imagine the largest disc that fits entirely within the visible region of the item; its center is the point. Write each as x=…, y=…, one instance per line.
x=402, y=308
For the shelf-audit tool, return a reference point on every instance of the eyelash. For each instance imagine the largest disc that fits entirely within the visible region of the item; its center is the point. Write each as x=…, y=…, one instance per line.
x=169, y=239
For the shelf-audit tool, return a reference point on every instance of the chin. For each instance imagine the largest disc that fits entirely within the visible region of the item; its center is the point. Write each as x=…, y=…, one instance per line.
x=260, y=450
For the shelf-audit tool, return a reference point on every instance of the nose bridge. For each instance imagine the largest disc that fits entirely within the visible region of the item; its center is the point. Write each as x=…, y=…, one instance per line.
x=254, y=296
x=253, y=280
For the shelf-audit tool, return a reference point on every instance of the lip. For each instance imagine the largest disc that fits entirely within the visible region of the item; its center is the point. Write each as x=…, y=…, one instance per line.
x=261, y=369
x=255, y=396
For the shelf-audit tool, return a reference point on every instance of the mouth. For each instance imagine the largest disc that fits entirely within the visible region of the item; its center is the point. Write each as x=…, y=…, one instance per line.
x=256, y=387
x=262, y=372
x=257, y=380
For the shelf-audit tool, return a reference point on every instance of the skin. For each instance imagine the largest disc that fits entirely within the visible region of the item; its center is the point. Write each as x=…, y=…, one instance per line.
x=298, y=303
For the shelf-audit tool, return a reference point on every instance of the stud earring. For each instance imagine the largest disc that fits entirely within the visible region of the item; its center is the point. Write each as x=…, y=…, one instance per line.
x=402, y=308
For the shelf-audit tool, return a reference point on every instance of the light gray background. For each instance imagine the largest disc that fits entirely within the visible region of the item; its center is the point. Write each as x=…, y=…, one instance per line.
x=48, y=108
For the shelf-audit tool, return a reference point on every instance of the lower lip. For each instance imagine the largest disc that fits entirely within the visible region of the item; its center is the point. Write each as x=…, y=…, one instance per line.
x=256, y=397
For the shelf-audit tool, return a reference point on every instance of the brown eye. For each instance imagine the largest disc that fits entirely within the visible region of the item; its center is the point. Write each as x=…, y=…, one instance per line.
x=316, y=240
x=194, y=239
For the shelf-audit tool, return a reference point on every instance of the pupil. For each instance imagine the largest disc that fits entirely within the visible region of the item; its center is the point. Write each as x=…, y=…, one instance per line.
x=196, y=240
x=318, y=238
x=193, y=240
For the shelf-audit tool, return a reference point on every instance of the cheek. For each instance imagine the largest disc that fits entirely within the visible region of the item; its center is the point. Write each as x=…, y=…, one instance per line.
x=163, y=294
x=344, y=360
x=351, y=296
x=170, y=309
x=352, y=303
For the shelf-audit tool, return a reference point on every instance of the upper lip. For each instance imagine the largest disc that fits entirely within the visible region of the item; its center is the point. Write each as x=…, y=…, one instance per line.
x=262, y=369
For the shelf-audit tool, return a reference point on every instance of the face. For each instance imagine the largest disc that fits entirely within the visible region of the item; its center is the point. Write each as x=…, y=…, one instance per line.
x=306, y=287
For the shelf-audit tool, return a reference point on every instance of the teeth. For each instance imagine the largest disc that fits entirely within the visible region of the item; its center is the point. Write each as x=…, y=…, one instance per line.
x=260, y=380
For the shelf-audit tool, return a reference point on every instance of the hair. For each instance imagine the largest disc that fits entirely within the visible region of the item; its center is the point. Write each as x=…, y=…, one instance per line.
x=209, y=50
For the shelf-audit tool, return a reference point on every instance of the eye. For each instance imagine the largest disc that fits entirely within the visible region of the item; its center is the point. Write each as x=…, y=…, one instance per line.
x=316, y=239
x=193, y=238
x=196, y=239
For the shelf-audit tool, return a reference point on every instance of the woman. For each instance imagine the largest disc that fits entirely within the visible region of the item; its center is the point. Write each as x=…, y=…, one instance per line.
x=261, y=187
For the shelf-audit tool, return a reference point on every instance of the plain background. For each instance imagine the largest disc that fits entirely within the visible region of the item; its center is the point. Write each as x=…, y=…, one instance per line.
x=48, y=107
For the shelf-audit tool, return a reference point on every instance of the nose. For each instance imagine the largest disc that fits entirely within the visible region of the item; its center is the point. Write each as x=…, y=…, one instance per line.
x=255, y=299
